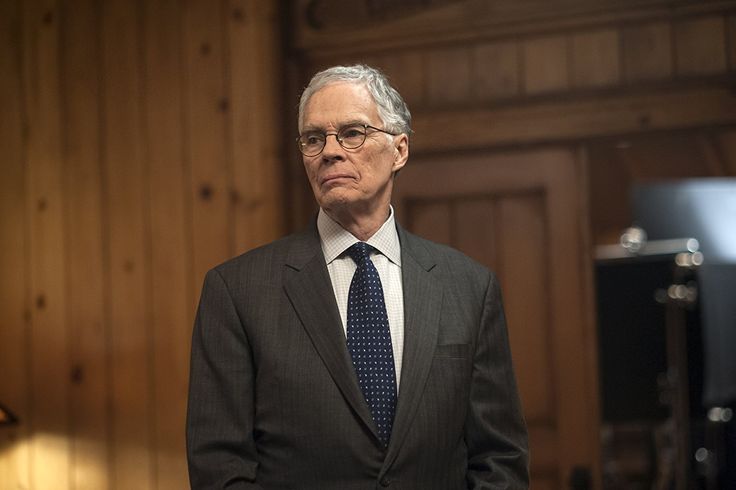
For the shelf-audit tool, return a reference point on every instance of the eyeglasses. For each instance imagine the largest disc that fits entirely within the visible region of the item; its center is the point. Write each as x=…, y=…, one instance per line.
x=350, y=137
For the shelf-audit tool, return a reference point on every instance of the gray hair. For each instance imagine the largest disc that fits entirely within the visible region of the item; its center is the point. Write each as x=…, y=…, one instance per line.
x=391, y=107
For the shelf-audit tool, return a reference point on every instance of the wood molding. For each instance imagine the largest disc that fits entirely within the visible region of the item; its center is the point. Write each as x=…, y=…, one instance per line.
x=573, y=120
x=482, y=19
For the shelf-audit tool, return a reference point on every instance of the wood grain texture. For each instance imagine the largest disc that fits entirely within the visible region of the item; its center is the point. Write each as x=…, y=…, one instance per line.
x=496, y=70
x=700, y=45
x=546, y=64
x=209, y=149
x=90, y=376
x=15, y=463
x=647, y=51
x=596, y=58
x=49, y=418
x=256, y=134
x=108, y=121
x=448, y=76
x=171, y=275
x=127, y=204
x=583, y=118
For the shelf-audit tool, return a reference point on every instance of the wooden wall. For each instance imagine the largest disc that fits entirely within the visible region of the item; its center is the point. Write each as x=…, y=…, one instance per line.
x=504, y=74
x=138, y=147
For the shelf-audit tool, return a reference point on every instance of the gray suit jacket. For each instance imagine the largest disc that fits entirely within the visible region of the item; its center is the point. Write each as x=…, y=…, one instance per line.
x=274, y=402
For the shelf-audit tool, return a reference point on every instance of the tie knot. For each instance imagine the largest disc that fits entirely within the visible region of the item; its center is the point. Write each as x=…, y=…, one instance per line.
x=359, y=252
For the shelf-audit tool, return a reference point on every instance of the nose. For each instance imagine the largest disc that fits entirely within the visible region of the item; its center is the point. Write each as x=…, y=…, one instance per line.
x=332, y=150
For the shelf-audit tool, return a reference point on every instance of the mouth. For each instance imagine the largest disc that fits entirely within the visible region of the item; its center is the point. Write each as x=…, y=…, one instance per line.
x=335, y=178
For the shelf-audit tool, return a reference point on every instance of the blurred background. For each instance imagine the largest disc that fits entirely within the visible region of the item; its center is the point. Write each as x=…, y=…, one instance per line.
x=142, y=143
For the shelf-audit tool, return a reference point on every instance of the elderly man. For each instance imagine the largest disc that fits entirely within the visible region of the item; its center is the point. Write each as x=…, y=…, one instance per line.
x=353, y=355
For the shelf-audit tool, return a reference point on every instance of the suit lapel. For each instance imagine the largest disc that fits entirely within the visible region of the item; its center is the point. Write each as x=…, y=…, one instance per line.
x=422, y=302
x=308, y=287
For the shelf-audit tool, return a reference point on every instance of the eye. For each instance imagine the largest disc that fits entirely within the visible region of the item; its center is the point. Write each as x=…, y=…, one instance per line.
x=312, y=139
x=352, y=132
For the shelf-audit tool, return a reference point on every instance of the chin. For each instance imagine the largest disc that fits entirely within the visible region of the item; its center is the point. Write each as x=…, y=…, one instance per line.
x=336, y=198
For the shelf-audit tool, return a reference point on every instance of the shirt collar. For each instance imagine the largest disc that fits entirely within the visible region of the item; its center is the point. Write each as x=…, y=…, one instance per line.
x=335, y=239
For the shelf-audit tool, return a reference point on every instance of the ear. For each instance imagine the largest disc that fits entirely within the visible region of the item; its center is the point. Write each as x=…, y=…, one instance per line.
x=401, y=152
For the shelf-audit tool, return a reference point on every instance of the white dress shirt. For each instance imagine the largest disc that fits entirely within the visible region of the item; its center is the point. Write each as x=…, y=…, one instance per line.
x=386, y=257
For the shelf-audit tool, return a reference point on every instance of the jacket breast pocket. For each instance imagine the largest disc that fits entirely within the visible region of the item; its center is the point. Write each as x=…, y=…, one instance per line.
x=452, y=351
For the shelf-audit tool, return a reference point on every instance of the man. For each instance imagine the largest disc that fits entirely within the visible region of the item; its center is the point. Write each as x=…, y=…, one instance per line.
x=354, y=355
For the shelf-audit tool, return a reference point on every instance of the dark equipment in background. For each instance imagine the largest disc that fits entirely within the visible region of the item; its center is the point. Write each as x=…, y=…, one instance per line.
x=667, y=339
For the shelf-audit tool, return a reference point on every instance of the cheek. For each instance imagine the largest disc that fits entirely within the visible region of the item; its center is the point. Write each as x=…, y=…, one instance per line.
x=311, y=169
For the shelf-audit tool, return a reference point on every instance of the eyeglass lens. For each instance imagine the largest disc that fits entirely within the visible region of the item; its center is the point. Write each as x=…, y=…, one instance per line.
x=349, y=137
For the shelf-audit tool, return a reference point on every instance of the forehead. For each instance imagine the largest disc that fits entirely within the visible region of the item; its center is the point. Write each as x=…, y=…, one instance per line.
x=339, y=103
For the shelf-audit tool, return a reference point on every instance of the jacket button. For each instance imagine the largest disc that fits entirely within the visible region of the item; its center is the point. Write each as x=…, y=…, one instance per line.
x=385, y=481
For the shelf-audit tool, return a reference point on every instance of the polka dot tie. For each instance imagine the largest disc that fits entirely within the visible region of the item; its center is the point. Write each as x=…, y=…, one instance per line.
x=369, y=340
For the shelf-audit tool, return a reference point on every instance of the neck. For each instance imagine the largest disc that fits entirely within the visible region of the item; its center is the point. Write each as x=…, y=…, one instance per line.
x=361, y=225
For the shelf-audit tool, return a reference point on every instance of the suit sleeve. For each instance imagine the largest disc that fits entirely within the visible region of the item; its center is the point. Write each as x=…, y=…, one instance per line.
x=495, y=430
x=221, y=451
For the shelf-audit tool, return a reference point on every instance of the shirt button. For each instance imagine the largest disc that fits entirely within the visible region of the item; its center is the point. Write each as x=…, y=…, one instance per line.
x=385, y=481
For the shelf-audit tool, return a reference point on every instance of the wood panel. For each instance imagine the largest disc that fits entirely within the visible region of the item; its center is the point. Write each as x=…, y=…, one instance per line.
x=477, y=232
x=112, y=120
x=448, y=76
x=90, y=420
x=432, y=220
x=700, y=46
x=470, y=20
x=406, y=70
x=546, y=64
x=527, y=208
x=583, y=55
x=595, y=58
x=256, y=109
x=647, y=51
x=49, y=416
x=209, y=149
x=497, y=71
x=15, y=461
x=610, y=114
x=731, y=41
x=523, y=268
x=171, y=271
x=128, y=264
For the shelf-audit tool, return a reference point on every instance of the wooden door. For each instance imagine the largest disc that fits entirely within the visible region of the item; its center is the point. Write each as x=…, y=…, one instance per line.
x=522, y=215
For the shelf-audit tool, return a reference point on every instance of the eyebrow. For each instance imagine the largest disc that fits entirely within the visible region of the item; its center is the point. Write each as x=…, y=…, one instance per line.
x=354, y=122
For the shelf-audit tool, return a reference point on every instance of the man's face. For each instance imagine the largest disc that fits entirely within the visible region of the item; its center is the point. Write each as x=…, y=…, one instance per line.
x=353, y=181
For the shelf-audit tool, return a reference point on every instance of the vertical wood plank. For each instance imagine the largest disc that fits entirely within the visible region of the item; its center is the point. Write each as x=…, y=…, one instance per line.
x=523, y=263
x=570, y=340
x=496, y=73
x=256, y=132
x=595, y=58
x=84, y=257
x=14, y=382
x=207, y=146
x=731, y=41
x=129, y=290
x=405, y=70
x=448, y=76
x=431, y=219
x=546, y=65
x=474, y=229
x=172, y=299
x=700, y=46
x=647, y=52
x=49, y=357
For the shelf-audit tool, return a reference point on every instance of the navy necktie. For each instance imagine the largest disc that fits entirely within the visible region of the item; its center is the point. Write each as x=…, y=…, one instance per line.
x=369, y=340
